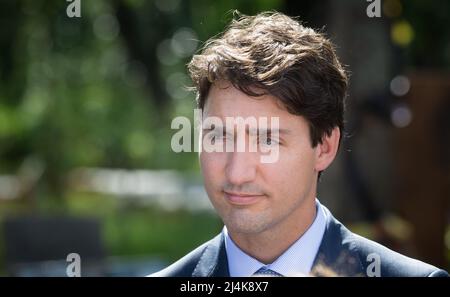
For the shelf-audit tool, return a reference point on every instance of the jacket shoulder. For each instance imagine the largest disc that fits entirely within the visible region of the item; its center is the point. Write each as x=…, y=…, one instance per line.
x=391, y=263
x=371, y=257
x=185, y=266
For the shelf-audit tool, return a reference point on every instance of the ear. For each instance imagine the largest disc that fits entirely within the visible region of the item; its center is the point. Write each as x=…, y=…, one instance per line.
x=327, y=150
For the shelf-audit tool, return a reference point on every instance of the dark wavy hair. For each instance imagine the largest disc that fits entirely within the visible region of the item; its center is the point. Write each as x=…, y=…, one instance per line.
x=271, y=53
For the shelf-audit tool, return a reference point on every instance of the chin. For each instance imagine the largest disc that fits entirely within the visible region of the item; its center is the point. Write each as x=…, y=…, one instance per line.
x=247, y=223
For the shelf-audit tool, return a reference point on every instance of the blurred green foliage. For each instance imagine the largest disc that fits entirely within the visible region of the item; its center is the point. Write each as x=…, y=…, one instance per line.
x=101, y=91
x=131, y=229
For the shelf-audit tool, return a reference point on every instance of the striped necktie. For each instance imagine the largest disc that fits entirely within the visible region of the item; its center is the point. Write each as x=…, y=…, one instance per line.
x=263, y=271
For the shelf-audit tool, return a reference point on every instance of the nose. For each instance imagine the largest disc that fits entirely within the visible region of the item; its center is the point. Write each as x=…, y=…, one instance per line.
x=241, y=167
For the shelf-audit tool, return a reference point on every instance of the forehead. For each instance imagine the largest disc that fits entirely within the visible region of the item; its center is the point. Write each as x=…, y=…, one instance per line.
x=224, y=100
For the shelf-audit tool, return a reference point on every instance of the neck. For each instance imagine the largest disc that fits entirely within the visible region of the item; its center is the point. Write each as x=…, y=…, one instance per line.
x=268, y=245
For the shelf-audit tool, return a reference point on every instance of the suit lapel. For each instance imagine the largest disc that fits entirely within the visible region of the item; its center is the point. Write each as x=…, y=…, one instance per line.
x=213, y=261
x=336, y=255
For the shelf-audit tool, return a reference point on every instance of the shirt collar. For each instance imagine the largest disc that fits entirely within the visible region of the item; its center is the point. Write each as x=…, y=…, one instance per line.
x=297, y=260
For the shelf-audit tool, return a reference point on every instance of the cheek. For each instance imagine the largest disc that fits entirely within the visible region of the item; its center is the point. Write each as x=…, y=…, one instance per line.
x=212, y=166
x=293, y=172
x=300, y=158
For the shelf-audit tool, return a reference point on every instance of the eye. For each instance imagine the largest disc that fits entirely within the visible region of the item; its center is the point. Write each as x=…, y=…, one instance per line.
x=267, y=140
x=213, y=137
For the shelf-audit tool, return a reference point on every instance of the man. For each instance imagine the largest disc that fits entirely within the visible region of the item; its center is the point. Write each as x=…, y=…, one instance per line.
x=270, y=66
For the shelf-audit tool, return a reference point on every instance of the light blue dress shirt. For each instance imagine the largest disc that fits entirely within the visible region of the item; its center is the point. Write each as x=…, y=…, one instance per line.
x=297, y=260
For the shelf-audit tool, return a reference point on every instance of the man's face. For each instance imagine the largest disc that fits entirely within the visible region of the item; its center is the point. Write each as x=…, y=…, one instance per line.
x=251, y=196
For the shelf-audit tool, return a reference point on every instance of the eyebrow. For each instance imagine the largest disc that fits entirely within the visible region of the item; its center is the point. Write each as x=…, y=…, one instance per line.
x=270, y=131
x=260, y=131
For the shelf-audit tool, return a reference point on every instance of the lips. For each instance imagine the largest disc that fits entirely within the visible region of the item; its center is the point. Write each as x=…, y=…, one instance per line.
x=242, y=198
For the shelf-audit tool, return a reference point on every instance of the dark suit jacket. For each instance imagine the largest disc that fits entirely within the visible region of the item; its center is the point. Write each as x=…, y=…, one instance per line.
x=341, y=253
